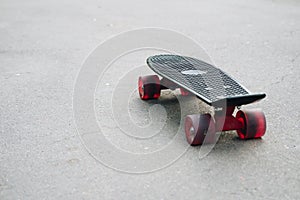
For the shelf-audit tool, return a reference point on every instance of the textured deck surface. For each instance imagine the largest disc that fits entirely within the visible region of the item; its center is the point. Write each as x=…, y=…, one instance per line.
x=203, y=79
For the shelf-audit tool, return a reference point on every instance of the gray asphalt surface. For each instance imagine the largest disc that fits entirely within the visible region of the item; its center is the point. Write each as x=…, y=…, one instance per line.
x=42, y=47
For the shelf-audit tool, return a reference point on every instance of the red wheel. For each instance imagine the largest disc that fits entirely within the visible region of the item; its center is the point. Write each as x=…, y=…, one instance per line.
x=198, y=127
x=149, y=87
x=254, y=124
x=184, y=92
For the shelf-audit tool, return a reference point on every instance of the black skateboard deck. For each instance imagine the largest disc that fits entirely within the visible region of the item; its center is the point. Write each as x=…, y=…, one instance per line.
x=206, y=81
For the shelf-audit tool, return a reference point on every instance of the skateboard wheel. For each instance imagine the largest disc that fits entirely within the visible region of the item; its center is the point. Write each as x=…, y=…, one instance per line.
x=198, y=128
x=149, y=87
x=184, y=92
x=254, y=124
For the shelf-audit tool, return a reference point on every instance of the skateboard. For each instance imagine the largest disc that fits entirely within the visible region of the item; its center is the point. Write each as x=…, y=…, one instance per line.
x=213, y=86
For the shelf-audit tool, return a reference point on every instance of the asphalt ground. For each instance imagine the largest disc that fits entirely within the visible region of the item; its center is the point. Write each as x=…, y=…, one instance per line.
x=44, y=153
